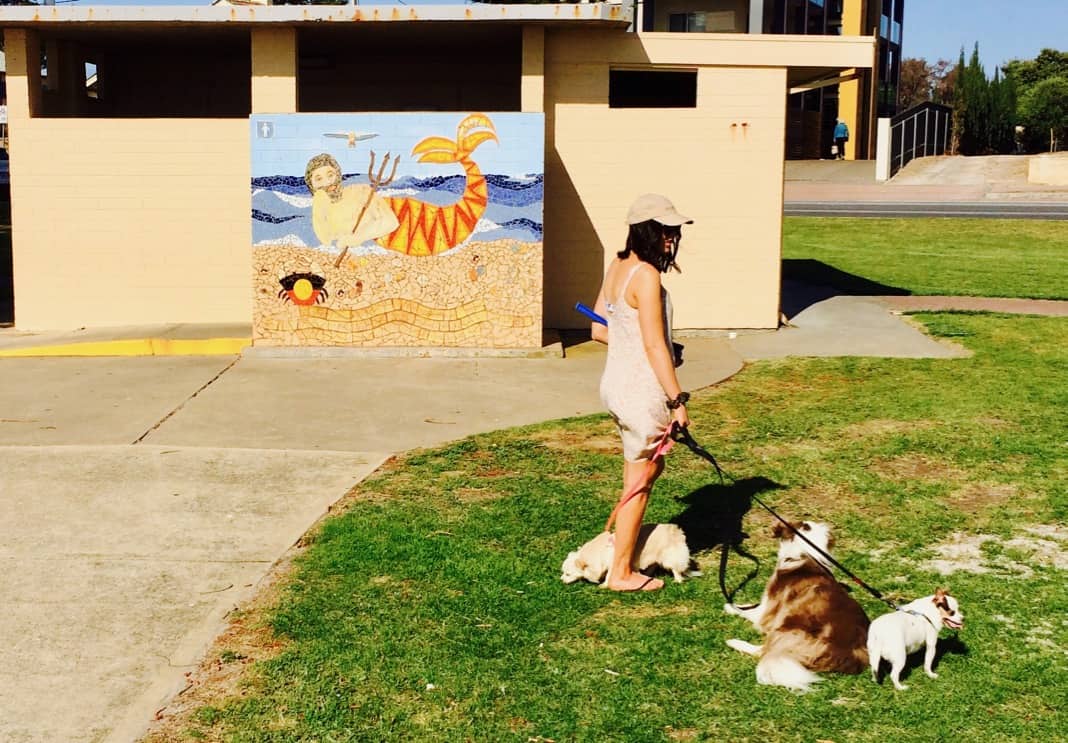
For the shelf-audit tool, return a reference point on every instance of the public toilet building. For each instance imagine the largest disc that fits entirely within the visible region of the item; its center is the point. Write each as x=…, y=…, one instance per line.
x=389, y=176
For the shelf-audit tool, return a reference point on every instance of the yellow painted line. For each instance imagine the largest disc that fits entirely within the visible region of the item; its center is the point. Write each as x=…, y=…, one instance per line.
x=138, y=347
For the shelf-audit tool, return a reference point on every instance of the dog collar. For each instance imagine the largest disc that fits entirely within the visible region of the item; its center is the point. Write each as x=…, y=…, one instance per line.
x=918, y=614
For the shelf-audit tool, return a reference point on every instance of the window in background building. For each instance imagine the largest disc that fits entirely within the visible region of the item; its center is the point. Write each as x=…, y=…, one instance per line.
x=652, y=89
x=686, y=22
x=795, y=16
x=834, y=17
x=707, y=21
x=816, y=18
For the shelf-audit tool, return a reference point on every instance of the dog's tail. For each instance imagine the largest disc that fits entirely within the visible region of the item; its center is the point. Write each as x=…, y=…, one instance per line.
x=782, y=670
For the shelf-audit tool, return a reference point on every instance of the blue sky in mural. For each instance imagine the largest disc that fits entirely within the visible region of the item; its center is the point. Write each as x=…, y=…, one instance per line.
x=285, y=144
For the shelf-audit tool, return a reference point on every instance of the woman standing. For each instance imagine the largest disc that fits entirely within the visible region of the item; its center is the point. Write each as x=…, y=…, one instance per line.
x=639, y=386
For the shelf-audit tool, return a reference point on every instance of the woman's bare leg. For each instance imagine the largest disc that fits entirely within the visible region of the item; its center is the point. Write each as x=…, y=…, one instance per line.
x=621, y=577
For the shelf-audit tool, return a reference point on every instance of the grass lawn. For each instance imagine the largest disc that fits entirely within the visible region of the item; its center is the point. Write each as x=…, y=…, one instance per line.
x=971, y=257
x=430, y=608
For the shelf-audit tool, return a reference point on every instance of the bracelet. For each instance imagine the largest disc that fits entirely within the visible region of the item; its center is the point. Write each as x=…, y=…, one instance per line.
x=678, y=402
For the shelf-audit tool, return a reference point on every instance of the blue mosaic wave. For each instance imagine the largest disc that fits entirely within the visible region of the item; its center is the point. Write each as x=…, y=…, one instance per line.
x=263, y=216
x=528, y=224
x=502, y=188
x=514, y=210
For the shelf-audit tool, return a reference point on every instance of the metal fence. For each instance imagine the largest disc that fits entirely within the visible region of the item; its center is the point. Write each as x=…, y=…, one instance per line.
x=919, y=132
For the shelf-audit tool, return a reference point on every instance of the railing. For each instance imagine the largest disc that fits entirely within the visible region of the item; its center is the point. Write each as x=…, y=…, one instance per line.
x=921, y=131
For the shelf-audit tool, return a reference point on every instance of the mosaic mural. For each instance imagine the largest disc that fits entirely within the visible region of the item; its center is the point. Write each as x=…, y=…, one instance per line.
x=397, y=229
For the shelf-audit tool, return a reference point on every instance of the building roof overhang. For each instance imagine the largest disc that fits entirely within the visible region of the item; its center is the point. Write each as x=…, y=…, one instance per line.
x=810, y=61
x=597, y=15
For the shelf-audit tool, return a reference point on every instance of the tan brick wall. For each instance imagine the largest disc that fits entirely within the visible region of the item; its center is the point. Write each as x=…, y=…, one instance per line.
x=274, y=70
x=533, y=79
x=721, y=163
x=130, y=221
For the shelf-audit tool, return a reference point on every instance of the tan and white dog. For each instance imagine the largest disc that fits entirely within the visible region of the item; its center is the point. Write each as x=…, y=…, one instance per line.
x=809, y=621
x=892, y=637
x=658, y=544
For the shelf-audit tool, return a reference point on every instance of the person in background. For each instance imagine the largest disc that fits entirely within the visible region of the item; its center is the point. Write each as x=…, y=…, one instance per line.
x=841, y=136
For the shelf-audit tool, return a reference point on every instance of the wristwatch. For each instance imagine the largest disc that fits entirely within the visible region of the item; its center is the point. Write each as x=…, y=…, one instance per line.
x=678, y=402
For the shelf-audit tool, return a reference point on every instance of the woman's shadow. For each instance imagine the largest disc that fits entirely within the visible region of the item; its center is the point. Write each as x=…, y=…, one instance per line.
x=713, y=517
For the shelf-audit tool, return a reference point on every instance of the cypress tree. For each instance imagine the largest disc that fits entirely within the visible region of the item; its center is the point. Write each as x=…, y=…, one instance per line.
x=974, y=107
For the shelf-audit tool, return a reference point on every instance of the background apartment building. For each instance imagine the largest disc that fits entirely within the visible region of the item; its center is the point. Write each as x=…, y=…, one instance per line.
x=862, y=97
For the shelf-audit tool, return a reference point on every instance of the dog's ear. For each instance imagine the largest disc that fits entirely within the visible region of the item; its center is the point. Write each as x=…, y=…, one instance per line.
x=939, y=594
x=779, y=531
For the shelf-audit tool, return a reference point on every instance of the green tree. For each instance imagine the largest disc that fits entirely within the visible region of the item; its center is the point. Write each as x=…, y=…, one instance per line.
x=1026, y=73
x=1040, y=106
x=1043, y=111
x=972, y=106
x=1001, y=129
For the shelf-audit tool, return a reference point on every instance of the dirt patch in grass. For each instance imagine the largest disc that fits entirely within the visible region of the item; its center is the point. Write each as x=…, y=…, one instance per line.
x=916, y=467
x=882, y=427
x=808, y=450
x=1042, y=545
x=991, y=422
x=817, y=501
x=220, y=676
x=975, y=496
x=476, y=495
x=616, y=609
x=601, y=439
x=495, y=472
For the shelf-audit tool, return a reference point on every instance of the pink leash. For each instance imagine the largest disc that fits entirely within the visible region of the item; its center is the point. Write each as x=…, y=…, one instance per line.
x=663, y=446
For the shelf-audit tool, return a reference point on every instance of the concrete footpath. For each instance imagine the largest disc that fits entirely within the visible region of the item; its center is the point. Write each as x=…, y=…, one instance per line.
x=147, y=496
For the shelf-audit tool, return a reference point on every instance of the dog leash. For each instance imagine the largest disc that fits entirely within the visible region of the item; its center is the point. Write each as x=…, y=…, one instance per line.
x=684, y=437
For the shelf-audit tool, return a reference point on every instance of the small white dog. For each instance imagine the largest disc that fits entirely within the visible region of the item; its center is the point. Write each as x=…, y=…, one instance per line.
x=895, y=635
x=658, y=544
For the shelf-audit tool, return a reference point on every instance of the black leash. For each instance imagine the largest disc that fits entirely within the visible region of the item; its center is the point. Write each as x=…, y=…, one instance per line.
x=683, y=436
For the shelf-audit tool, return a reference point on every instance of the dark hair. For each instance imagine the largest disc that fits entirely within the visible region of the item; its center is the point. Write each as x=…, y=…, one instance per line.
x=646, y=240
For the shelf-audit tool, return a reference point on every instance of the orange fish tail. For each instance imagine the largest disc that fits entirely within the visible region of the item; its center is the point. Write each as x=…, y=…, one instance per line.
x=426, y=229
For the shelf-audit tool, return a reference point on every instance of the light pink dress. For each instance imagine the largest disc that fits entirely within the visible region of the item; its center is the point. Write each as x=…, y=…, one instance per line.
x=629, y=387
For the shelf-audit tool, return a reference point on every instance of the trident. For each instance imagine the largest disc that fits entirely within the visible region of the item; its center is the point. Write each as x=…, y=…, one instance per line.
x=376, y=181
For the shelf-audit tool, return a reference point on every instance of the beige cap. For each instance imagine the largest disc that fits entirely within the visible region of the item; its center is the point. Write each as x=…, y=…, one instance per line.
x=654, y=206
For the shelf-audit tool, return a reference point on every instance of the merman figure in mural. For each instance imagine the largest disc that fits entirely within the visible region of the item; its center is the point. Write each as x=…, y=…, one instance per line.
x=400, y=223
x=336, y=208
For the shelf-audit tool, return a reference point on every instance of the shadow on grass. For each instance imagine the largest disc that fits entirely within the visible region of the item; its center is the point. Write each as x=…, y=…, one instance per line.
x=806, y=281
x=952, y=644
x=713, y=517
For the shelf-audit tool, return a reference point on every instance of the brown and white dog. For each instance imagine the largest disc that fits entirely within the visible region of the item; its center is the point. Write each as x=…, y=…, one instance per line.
x=657, y=544
x=913, y=626
x=809, y=621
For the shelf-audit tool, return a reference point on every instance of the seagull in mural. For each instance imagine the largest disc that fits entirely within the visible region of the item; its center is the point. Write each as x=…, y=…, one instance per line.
x=352, y=137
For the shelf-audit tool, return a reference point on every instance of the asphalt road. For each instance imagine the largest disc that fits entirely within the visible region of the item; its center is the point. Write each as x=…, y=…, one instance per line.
x=975, y=209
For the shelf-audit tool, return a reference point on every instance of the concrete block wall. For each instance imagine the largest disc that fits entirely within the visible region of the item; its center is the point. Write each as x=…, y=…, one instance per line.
x=721, y=163
x=121, y=221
